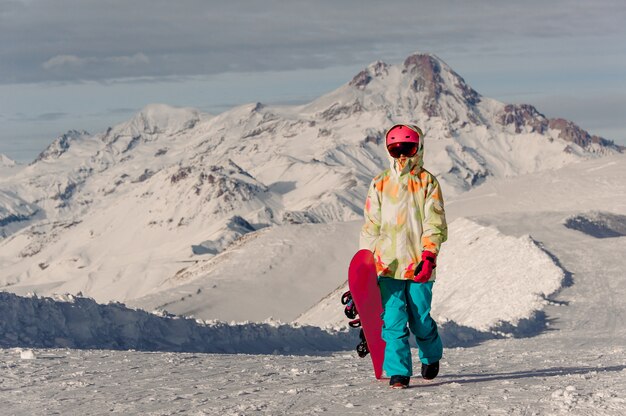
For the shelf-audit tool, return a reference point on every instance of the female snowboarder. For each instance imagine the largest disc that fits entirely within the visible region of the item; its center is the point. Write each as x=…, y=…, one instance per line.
x=404, y=227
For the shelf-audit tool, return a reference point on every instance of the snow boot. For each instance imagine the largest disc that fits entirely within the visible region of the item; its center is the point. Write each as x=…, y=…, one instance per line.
x=399, y=382
x=430, y=371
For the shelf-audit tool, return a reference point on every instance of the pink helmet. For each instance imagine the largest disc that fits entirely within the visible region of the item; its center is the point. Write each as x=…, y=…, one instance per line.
x=403, y=133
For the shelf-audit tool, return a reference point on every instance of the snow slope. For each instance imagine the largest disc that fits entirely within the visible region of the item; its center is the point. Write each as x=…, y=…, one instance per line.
x=15, y=213
x=577, y=366
x=274, y=273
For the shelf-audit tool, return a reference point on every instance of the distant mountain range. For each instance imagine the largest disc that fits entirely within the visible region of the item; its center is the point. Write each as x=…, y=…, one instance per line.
x=117, y=214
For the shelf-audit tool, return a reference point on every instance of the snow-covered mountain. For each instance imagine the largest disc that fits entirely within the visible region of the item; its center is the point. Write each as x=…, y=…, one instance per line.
x=15, y=213
x=125, y=213
x=6, y=162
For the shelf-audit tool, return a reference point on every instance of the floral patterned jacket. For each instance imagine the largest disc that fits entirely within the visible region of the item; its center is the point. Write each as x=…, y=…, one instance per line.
x=404, y=215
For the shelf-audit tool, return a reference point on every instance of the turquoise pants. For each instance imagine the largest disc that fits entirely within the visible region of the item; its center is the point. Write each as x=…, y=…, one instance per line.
x=408, y=303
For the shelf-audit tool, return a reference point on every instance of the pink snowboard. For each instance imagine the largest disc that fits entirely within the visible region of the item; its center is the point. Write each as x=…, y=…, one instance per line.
x=362, y=279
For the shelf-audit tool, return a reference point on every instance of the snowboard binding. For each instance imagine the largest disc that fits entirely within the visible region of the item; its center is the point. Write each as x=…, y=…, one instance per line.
x=350, y=309
x=352, y=313
x=355, y=323
x=362, y=348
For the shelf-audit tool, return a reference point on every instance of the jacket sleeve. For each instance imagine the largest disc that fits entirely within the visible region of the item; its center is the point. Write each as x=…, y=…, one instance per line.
x=370, y=232
x=434, y=226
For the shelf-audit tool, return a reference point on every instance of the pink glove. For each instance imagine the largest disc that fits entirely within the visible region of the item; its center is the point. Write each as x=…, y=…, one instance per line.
x=424, y=269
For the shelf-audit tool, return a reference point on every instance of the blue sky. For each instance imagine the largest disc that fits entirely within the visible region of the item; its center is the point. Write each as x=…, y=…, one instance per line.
x=77, y=64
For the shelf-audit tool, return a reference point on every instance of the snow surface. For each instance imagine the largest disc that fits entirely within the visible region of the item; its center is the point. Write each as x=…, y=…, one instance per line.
x=502, y=377
x=575, y=365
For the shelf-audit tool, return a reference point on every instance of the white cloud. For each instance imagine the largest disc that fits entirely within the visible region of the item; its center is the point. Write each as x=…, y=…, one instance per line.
x=73, y=61
x=196, y=37
x=63, y=60
x=136, y=59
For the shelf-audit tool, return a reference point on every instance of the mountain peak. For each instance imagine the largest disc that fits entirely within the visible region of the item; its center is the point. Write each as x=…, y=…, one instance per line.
x=374, y=70
x=419, y=58
x=160, y=119
x=434, y=77
x=6, y=162
x=526, y=118
x=61, y=144
x=421, y=84
x=427, y=70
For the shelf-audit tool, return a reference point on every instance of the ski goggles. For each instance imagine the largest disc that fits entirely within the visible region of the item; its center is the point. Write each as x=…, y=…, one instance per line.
x=408, y=149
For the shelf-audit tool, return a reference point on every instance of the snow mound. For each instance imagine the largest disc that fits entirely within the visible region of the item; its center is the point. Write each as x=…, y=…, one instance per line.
x=78, y=322
x=487, y=283
x=487, y=280
x=598, y=224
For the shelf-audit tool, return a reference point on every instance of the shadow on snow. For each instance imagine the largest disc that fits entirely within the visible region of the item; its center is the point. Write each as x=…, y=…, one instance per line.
x=79, y=322
x=39, y=322
x=517, y=375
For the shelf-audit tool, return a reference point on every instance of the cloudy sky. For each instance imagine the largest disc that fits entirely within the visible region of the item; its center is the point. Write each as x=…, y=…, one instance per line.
x=81, y=64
